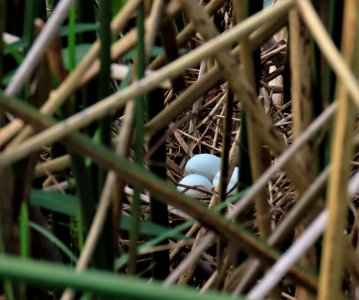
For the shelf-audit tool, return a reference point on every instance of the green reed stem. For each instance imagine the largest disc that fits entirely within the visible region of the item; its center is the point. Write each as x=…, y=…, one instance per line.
x=102, y=283
x=106, y=245
x=139, y=139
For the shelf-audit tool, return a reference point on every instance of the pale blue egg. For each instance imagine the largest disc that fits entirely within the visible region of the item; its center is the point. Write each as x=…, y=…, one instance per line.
x=194, y=180
x=231, y=184
x=204, y=164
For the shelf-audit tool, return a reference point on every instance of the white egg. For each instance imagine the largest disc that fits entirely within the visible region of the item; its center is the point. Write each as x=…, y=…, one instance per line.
x=194, y=180
x=231, y=184
x=204, y=164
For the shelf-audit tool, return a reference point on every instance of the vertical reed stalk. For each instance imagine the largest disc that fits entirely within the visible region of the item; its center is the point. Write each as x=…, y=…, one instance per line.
x=256, y=153
x=106, y=243
x=331, y=271
x=2, y=30
x=6, y=185
x=302, y=108
x=323, y=78
x=157, y=161
x=139, y=138
x=32, y=11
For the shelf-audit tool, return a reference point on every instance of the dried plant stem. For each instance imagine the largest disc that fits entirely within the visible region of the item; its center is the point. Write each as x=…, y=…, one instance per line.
x=8, y=131
x=194, y=228
x=302, y=108
x=52, y=165
x=196, y=105
x=157, y=160
x=300, y=78
x=226, y=173
x=256, y=153
x=187, y=270
x=154, y=22
x=342, y=149
x=189, y=260
x=290, y=257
